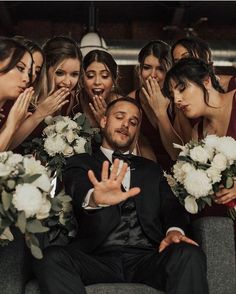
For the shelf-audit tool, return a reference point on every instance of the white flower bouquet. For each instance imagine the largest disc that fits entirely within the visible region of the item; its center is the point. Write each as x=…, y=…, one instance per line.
x=202, y=167
x=25, y=200
x=62, y=138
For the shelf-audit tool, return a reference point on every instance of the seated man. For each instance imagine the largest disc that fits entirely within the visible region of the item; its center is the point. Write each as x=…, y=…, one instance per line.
x=130, y=225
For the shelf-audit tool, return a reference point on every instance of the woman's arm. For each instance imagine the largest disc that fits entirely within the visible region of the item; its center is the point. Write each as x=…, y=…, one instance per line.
x=159, y=104
x=45, y=107
x=18, y=113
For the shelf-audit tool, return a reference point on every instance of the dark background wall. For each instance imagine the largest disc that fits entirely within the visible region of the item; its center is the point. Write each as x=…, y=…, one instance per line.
x=126, y=23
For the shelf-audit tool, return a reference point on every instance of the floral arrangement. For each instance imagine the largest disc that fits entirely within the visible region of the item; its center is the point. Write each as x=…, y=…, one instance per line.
x=62, y=138
x=25, y=200
x=201, y=169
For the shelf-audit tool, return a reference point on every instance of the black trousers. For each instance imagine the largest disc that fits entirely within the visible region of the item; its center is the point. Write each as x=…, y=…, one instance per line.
x=179, y=269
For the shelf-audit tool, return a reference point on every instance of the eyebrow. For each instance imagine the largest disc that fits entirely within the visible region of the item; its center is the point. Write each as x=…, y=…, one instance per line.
x=123, y=112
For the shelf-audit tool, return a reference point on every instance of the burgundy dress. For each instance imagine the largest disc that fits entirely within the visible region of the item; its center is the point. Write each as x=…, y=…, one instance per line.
x=153, y=136
x=232, y=84
x=219, y=209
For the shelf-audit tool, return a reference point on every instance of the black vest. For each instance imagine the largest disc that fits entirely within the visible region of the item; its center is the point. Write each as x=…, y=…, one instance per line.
x=129, y=231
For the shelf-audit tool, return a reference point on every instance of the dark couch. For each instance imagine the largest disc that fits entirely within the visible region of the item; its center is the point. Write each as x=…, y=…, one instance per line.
x=214, y=234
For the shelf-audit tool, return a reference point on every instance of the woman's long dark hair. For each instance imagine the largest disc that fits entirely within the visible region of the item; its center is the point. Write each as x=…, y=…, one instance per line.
x=192, y=70
x=14, y=50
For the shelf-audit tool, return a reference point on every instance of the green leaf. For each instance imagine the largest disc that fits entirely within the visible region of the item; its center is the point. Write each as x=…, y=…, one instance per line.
x=6, y=200
x=229, y=182
x=31, y=178
x=207, y=199
x=35, y=226
x=21, y=221
x=36, y=251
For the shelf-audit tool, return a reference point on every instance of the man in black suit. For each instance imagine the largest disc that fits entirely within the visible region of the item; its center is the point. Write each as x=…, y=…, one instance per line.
x=131, y=228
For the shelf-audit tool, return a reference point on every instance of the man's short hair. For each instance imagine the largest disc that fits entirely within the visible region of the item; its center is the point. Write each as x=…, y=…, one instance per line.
x=123, y=99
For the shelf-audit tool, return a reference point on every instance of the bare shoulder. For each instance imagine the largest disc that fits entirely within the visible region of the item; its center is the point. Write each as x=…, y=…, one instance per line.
x=132, y=94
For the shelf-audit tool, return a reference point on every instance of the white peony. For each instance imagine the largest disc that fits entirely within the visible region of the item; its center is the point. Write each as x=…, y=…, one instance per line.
x=44, y=209
x=214, y=174
x=227, y=146
x=14, y=159
x=33, y=166
x=54, y=145
x=27, y=198
x=190, y=204
x=68, y=151
x=5, y=170
x=199, y=154
x=197, y=183
x=187, y=168
x=219, y=162
x=211, y=141
x=43, y=182
x=79, y=145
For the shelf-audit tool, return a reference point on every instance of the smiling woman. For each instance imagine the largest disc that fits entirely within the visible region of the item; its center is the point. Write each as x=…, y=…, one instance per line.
x=99, y=84
x=15, y=70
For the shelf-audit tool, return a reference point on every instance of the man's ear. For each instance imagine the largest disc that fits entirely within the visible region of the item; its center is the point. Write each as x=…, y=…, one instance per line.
x=103, y=122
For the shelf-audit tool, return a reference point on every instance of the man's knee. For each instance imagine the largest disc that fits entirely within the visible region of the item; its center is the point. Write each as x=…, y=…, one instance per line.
x=189, y=253
x=51, y=257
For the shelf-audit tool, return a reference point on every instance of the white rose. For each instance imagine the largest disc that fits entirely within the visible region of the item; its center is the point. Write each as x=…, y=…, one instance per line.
x=71, y=124
x=214, y=174
x=61, y=126
x=190, y=204
x=49, y=130
x=5, y=170
x=27, y=198
x=199, y=154
x=48, y=120
x=43, y=182
x=197, y=183
x=54, y=145
x=33, y=166
x=14, y=159
x=219, y=161
x=4, y=156
x=68, y=151
x=79, y=145
x=44, y=209
x=70, y=136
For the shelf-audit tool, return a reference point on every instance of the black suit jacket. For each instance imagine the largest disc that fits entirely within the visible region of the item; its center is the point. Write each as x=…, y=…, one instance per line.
x=157, y=207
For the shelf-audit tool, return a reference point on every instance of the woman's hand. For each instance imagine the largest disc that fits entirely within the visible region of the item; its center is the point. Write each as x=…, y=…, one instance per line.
x=19, y=111
x=155, y=98
x=98, y=107
x=52, y=103
x=223, y=196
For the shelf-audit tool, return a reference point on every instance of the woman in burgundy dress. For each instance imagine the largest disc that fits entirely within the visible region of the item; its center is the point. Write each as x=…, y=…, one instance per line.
x=15, y=77
x=198, y=48
x=194, y=88
x=57, y=90
x=161, y=122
